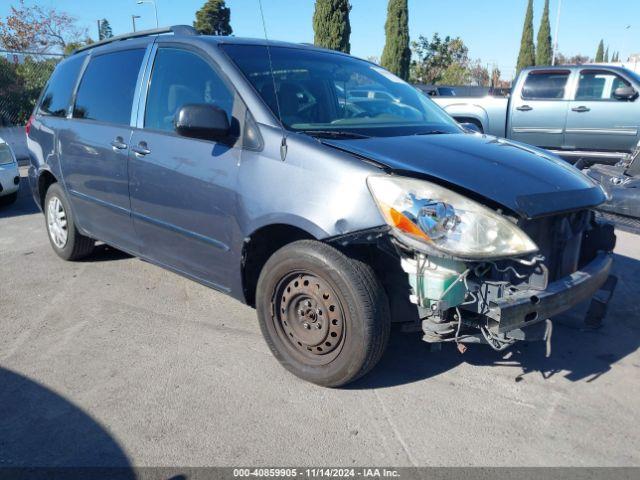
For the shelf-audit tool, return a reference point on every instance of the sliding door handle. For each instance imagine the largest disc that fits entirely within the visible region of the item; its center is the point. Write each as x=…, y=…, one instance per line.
x=524, y=108
x=118, y=144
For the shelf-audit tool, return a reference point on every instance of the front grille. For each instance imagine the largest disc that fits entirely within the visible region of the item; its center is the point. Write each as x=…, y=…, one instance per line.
x=559, y=238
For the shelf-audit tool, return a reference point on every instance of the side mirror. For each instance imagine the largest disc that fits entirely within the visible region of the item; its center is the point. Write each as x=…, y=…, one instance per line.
x=625, y=93
x=203, y=121
x=470, y=127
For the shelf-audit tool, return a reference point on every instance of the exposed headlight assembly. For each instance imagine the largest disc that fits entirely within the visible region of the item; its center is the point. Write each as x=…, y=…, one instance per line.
x=445, y=220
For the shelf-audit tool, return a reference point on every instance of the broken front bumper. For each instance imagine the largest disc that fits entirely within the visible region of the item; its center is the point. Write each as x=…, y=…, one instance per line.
x=527, y=307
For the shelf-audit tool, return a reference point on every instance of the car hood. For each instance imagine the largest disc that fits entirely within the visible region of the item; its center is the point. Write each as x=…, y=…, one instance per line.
x=525, y=179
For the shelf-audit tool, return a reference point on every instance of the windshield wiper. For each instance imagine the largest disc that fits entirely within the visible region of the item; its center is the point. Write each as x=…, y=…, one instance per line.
x=333, y=134
x=432, y=132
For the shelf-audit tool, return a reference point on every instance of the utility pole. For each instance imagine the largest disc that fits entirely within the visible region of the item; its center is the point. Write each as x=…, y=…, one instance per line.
x=555, y=36
x=98, y=29
x=133, y=21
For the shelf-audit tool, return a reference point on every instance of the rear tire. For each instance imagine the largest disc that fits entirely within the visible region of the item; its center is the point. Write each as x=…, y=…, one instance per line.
x=7, y=200
x=324, y=316
x=66, y=241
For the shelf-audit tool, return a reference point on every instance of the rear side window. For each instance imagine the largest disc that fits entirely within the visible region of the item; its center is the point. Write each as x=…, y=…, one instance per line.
x=543, y=85
x=599, y=85
x=108, y=86
x=178, y=78
x=57, y=96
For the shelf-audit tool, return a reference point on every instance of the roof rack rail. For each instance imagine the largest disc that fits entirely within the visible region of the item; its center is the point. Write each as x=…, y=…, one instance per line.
x=176, y=29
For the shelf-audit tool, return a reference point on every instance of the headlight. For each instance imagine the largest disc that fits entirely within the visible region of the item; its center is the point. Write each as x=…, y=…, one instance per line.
x=445, y=220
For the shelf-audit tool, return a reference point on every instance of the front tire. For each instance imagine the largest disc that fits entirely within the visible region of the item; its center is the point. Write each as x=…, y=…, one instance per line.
x=324, y=316
x=66, y=241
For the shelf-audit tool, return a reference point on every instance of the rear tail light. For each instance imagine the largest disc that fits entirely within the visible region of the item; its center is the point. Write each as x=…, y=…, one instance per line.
x=27, y=127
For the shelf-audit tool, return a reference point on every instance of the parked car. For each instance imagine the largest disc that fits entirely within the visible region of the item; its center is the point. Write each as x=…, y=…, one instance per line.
x=239, y=164
x=435, y=91
x=9, y=175
x=586, y=112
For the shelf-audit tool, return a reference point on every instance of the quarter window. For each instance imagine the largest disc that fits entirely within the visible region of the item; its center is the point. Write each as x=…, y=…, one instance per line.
x=549, y=85
x=599, y=85
x=108, y=86
x=57, y=96
x=181, y=77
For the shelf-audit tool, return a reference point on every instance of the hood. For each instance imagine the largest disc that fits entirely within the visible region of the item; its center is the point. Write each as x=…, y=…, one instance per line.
x=525, y=179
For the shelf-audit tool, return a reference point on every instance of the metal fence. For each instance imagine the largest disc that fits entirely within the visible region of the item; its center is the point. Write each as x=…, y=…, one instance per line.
x=22, y=77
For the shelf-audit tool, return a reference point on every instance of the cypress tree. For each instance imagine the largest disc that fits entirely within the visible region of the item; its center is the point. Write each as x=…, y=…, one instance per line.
x=396, y=56
x=606, y=55
x=213, y=18
x=600, y=52
x=543, y=49
x=331, y=25
x=105, y=30
x=527, y=55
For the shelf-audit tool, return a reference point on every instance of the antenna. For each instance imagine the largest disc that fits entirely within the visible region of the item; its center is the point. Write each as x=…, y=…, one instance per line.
x=283, y=145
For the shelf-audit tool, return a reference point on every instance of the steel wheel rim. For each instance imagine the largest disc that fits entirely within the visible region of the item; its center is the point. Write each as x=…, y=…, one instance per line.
x=309, y=317
x=57, y=222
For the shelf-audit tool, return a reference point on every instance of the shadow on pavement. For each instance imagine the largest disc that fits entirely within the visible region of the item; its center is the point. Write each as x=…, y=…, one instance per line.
x=105, y=253
x=24, y=205
x=578, y=354
x=41, y=429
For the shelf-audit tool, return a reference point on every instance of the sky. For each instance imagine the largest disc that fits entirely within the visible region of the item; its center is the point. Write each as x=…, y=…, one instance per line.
x=491, y=29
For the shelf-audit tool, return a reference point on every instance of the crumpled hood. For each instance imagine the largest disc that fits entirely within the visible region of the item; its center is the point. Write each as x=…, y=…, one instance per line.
x=525, y=179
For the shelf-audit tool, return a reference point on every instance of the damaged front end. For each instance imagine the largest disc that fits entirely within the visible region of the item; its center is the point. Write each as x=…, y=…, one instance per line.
x=500, y=302
x=480, y=275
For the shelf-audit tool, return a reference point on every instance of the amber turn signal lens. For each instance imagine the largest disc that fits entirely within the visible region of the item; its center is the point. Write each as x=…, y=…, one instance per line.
x=401, y=222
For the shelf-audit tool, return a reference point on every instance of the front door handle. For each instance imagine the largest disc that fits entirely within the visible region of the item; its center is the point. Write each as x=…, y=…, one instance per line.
x=141, y=149
x=118, y=144
x=580, y=109
x=524, y=108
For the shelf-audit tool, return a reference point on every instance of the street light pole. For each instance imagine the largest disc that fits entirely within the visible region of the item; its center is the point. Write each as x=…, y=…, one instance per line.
x=155, y=7
x=555, y=37
x=133, y=21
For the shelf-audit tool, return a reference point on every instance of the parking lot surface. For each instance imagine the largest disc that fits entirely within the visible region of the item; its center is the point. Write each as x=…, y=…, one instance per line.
x=113, y=361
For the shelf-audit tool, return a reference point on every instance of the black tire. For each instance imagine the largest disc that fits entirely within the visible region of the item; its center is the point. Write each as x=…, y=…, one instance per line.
x=77, y=246
x=7, y=200
x=324, y=316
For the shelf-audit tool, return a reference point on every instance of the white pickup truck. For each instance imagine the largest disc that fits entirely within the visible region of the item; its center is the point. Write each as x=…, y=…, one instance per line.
x=587, y=112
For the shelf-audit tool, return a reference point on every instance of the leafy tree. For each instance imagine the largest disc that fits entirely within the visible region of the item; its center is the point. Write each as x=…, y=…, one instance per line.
x=606, y=55
x=73, y=46
x=544, y=49
x=527, y=55
x=38, y=29
x=20, y=86
x=479, y=74
x=456, y=74
x=600, y=52
x=105, y=30
x=435, y=56
x=331, y=26
x=213, y=18
x=573, y=60
x=396, y=56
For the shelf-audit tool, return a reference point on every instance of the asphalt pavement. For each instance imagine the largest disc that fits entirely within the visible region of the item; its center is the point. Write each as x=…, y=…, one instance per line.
x=116, y=362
